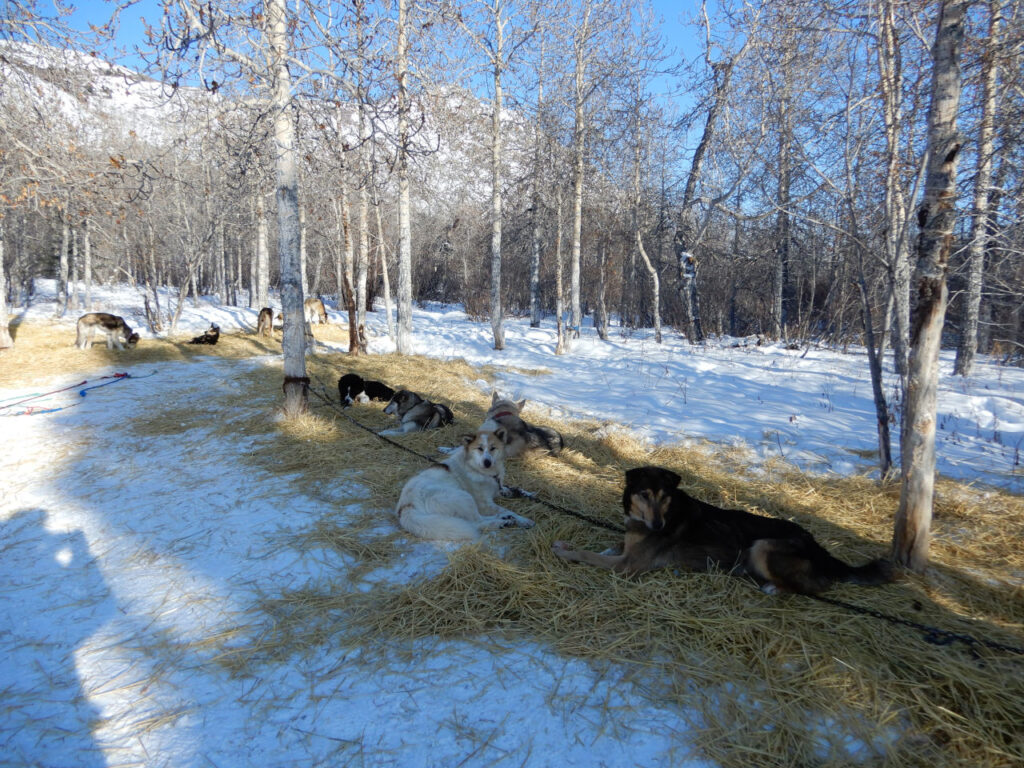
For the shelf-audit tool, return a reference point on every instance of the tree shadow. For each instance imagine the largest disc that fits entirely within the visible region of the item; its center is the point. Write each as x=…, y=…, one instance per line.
x=53, y=599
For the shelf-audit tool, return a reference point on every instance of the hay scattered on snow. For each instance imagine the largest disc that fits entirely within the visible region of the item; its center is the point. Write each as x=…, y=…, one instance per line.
x=775, y=680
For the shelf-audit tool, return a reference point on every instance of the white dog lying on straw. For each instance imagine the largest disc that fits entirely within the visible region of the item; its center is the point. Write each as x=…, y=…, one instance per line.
x=455, y=498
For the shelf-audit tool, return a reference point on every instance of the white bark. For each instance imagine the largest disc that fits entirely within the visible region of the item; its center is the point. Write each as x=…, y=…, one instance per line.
x=262, y=250
x=6, y=342
x=496, y=199
x=293, y=341
x=897, y=201
x=87, y=264
x=404, y=333
x=936, y=217
x=982, y=184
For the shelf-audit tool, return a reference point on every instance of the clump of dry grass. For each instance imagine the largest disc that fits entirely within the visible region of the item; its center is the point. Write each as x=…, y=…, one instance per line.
x=767, y=681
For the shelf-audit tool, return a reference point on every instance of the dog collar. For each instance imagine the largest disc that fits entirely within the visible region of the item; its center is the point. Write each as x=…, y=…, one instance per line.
x=503, y=413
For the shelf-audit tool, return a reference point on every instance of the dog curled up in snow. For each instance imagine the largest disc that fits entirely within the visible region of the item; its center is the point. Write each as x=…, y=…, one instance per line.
x=117, y=330
x=522, y=437
x=665, y=527
x=208, y=337
x=415, y=413
x=352, y=387
x=454, y=499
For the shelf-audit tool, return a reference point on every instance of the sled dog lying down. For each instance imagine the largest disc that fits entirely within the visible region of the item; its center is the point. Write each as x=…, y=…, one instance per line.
x=455, y=498
x=415, y=413
x=666, y=527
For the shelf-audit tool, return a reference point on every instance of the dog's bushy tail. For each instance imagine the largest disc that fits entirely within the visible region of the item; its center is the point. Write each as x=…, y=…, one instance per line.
x=880, y=571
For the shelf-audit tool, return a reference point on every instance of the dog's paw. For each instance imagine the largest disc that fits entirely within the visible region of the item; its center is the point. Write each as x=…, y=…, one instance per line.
x=447, y=449
x=560, y=548
x=511, y=492
x=512, y=520
x=770, y=589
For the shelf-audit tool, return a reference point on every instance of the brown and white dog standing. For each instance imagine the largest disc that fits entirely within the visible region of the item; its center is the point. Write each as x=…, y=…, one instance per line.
x=117, y=330
x=415, y=413
x=454, y=499
x=665, y=527
x=315, y=311
x=265, y=323
x=521, y=436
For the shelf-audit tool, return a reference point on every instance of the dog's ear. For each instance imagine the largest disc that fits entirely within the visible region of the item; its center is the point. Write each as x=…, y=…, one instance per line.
x=521, y=404
x=495, y=397
x=658, y=476
x=669, y=478
x=467, y=439
x=501, y=434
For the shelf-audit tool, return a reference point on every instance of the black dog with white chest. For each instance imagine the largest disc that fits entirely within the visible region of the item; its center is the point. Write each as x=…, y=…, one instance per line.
x=352, y=387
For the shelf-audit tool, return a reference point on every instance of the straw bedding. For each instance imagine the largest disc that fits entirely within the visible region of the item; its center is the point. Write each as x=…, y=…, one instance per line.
x=763, y=680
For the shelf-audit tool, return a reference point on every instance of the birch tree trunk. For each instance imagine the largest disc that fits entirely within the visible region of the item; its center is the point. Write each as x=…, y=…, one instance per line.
x=76, y=303
x=875, y=366
x=651, y=270
x=559, y=293
x=578, y=137
x=348, y=271
x=896, y=199
x=496, y=199
x=363, y=160
x=62, y=277
x=385, y=279
x=302, y=250
x=936, y=217
x=655, y=286
x=6, y=342
x=968, y=346
x=87, y=264
x=262, y=286
x=293, y=341
x=404, y=332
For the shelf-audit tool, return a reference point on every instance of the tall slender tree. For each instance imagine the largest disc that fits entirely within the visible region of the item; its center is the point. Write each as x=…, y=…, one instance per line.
x=936, y=216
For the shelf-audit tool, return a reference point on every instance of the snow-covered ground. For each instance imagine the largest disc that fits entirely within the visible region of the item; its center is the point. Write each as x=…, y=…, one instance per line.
x=119, y=557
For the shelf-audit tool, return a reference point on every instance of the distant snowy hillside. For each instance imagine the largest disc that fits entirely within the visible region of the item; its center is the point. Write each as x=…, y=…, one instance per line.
x=94, y=96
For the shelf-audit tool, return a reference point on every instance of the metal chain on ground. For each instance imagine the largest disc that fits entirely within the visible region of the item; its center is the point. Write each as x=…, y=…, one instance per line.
x=932, y=635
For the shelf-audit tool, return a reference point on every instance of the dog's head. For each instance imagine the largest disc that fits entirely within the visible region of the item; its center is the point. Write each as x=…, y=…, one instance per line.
x=402, y=402
x=132, y=339
x=350, y=385
x=485, y=451
x=214, y=328
x=648, y=495
x=504, y=407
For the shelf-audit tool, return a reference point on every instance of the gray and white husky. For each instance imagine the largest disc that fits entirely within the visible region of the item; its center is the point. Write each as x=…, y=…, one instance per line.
x=117, y=330
x=416, y=413
x=520, y=436
x=454, y=499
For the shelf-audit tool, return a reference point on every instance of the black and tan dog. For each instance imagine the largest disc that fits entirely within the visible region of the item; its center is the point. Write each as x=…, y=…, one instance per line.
x=209, y=336
x=665, y=527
